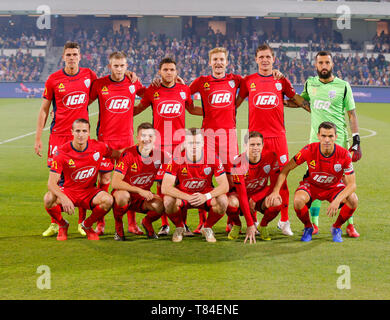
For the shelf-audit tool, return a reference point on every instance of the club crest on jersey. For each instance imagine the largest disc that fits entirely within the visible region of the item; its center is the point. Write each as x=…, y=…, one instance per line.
x=278, y=86
x=253, y=86
x=312, y=164
x=332, y=94
x=183, y=95
x=206, y=86
x=134, y=167
x=132, y=89
x=87, y=82
x=156, y=96
x=232, y=83
x=96, y=156
x=184, y=171
x=207, y=170
x=337, y=167
x=267, y=168
x=283, y=158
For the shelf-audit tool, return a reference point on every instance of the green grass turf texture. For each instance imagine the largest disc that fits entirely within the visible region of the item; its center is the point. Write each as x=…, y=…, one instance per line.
x=284, y=268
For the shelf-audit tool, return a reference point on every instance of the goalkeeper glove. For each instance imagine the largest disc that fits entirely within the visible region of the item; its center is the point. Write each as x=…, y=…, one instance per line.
x=355, y=149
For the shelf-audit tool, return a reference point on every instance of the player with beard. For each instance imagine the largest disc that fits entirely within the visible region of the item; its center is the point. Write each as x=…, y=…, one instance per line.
x=328, y=98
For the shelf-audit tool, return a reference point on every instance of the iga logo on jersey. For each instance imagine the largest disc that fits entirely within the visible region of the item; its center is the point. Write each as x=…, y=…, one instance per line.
x=194, y=184
x=323, y=177
x=75, y=100
x=83, y=174
x=266, y=100
x=118, y=104
x=254, y=184
x=220, y=99
x=170, y=109
x=142, y=179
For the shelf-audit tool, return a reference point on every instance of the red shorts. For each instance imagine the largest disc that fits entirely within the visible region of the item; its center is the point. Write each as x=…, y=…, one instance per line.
x=108, y=164
x=136, y=202
x=54, y=143
x=82, y=198
x=223, y=144
x=320, y=193
x=279, y=146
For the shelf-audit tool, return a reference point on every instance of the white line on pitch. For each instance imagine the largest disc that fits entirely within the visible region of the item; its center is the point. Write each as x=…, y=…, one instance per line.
x=33, y=132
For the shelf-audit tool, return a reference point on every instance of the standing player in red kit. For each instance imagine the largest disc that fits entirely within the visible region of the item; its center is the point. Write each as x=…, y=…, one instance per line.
x=116, y=95
x=169, y=102
x=330, y=177
x=78, y=161
x=68, y=90
x=266, y=114
x=134, y=175
x=187, y=183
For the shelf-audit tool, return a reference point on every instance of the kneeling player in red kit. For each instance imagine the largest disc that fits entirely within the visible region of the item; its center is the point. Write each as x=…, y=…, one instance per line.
x=134, y=175
x=330, y=177
x=187, y=183
x=253, y=170
x=78, y=161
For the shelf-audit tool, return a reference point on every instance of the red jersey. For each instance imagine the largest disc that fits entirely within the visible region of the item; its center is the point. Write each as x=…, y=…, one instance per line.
x=256, y=175
x=325, y=172
x=80, y=168
x=70, y=96
x=218, y=100
x=265, y=101
x=116, y=107
x=194, y=177
x=168, y=106
x=138, y=171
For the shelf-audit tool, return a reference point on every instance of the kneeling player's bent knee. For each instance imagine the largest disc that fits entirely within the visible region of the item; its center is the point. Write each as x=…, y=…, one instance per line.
x=169, y=204
x=104, y=200
x=157, y=205
x=233, y=202
x=221, y=204
x=352, y=201
x=300, y=199
x=122, y=197
x=49, y=199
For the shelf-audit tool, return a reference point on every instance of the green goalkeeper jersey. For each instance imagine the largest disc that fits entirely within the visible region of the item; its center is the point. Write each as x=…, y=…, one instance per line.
x=329, y=102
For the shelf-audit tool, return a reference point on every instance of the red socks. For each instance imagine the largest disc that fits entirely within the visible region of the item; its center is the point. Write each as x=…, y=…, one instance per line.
x=202, y=216
x=55, y=214
x=177, y=218
x=269, y=215
x=233, y=215
x=212, y=219
x=345, y=213
x=304, y=216
x=285, y=194
x=97, y=213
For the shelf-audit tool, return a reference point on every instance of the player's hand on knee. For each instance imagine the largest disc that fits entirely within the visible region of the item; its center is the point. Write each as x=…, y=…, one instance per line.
x=147, y=195
x=67, y=205
x=333, y=208
x=250, y=234
x=197, y=199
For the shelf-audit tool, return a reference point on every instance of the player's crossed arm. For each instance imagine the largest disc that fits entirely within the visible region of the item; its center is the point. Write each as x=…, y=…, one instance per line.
x=297, y=102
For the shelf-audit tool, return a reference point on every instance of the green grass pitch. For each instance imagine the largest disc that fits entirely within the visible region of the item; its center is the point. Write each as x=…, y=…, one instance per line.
x=283, y=268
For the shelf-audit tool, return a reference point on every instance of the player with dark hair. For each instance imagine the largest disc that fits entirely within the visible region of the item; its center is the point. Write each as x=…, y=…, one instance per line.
x=266, y=114
x=134, y=175
x=328, y=98
x=330, y=177
x=116, y=95
x=256, y=171
x=78, y=162
x=169, y=101
x=187, y=183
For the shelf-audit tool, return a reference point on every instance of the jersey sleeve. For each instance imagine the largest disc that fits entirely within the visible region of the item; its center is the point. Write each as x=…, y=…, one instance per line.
x=48, y=93
x=93, y=76
x=194, y=86
x=238, y=79
x=122, y=164
x=57, y=163
x=140, y=89
x=189, y=101
x=219, y=168
x=106, y=150
x=302, y=155
x=146, y=100
x=275, y=170
x=244, y=203
x=288, y=89
x=348, y=166
x=304, y=93
x=243, y=93
x=93, y=94
x=348, y=102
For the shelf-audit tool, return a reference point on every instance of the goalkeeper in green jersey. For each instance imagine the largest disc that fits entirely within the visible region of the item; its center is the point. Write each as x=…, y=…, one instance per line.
x=327, y=98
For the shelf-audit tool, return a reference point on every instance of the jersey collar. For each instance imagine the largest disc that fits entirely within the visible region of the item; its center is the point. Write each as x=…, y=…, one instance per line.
x=71, y=144
x=116, y=81
x=334, y=150
x=69, y=75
